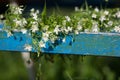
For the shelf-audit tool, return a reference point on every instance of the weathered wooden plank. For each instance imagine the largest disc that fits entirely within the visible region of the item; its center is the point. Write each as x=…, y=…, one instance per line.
x=104, y=44
x=13, y=43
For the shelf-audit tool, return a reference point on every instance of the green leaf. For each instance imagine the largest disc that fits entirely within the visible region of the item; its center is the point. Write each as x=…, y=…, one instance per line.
x=43, y=14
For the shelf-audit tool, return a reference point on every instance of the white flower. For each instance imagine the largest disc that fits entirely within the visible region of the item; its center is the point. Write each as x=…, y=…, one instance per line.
x=9, y=34
x=66, y=31
x=35, y=16
x=19, y=10
x=96, y=10
x=117, y=14
x=117, y=29
x=24, y=21
x=95, y=27
x=67, y=18
x=69, y=28
x=76, y=32
x=41, y=44
x=27, y=47
x=16, y=30
x=94, y=16
x=18, y=22
x=32, y=10
x=63, y=40
x=102, y=18
x=110, y=23
x=45, y=36
x=34, y=23
x=76, y=9
x=57, y=30
x=34, y=28
x=106, y=12
x=24, y=31
x=1, y=16
x=37, y=11
x=45, y=39
x=79, y=27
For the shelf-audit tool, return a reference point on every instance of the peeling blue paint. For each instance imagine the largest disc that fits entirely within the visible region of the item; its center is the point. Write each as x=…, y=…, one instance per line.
x=103, y=44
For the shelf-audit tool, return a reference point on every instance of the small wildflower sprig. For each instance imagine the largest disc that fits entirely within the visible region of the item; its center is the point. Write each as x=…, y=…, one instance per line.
x=52, y=29
x=98, y=20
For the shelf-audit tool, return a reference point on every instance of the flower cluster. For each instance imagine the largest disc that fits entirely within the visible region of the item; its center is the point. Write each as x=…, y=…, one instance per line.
x=56, y=27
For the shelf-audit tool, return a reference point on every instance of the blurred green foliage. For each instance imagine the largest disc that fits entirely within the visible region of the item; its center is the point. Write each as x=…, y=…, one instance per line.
x=60, y=67
x=12, y=66
x=76, y=67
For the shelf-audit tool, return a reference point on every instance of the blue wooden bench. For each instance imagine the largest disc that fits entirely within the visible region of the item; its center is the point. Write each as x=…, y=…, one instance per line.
x=103, y=44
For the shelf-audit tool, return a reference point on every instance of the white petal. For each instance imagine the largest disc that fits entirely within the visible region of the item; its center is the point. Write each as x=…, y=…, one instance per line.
x=28, y=47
